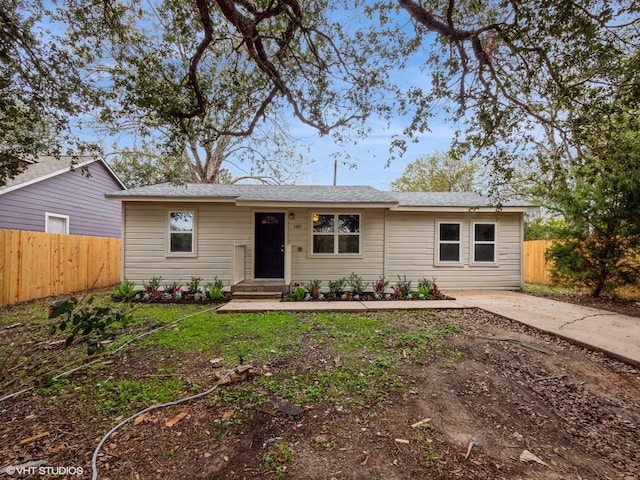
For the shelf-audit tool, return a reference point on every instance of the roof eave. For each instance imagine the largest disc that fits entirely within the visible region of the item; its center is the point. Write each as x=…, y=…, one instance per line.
x=313, y=204
x=465, y=209
x=167, y=198
x=245, y=203
x=113, y=174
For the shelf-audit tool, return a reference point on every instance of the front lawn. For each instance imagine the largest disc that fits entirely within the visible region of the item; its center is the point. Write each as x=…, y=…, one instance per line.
x=420, y=394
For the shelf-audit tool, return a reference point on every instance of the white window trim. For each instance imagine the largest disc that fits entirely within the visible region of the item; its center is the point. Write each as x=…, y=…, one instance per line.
x=194, y=233
x=335, y=234
x=436, y=253
x=473, y=243
x=48, y=215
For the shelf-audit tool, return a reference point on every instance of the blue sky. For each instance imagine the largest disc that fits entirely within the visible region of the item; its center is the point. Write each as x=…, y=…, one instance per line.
x=371, y=155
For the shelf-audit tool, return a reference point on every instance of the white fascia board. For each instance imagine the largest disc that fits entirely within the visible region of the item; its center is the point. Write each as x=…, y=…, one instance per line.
x=316, y=205
x=407, y=208
x=113, y=174
x=144, y=198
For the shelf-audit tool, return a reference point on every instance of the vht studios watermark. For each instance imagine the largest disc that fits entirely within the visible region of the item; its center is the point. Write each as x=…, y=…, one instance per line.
x=43, y=470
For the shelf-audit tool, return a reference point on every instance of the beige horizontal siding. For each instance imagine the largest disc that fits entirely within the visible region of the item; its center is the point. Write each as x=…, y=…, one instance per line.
x=219, y=227
x=411, y=244
x=392, y=244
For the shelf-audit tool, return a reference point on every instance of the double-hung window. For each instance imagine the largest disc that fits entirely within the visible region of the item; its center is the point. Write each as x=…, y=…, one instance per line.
x=449, y=238
x=484, y=242
x=182, y=232
x=336, y=233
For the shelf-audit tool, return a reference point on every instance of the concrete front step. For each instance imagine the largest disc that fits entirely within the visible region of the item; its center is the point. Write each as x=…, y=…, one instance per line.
x=239, y=295
x=257, y=286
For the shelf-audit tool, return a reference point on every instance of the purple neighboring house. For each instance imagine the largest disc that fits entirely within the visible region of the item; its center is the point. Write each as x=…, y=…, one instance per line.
x=50, y=197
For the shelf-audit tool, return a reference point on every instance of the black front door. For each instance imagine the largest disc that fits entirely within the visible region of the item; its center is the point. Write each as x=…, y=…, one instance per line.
x=269, y=247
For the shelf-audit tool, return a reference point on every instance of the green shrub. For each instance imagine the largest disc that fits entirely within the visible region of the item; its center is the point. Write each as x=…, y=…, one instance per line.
x=425, y=288
x=194, y=284
x=299, y=292
x=89, y=322
x=153, y=287
x=357, y=284
x=337, y=287
x=125, y=289
x=403, y=287
x=215, y=289
x=173, y=288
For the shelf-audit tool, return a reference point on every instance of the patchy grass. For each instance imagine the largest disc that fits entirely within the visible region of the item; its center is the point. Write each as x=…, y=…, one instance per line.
x=255, y=337
x=359, y=355
x=31, y=355
x=546, y=290
x=364, y=353
x=629, y=292
x=116, y=395
x=111, y=395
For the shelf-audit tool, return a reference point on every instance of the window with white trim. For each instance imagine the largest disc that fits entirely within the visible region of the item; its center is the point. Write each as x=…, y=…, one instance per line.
x=182, y=231
x=449, y=240
x=55, y=223
x=336, y=233
x=484, y=242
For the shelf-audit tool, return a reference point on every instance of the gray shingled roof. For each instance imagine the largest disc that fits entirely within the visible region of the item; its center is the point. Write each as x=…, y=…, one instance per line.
x=265, y=193
x=41, y=168
x=313, y=194
x=450, y=199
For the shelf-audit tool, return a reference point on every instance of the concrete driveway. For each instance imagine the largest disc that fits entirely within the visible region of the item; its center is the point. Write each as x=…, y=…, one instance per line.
x=615, y=334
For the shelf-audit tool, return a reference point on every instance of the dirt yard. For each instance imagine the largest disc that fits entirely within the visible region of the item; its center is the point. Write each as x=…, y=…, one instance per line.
x=512, y=404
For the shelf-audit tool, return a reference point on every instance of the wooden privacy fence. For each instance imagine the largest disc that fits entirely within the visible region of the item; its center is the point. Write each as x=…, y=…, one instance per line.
x=536, y=269
x=36, y=265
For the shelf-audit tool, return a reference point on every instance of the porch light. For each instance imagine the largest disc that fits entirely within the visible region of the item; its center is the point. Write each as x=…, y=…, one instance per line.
x=291, y=216
x=316, y=217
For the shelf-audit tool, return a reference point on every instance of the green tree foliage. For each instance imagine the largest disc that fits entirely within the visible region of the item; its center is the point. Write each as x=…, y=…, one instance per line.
x=175, y=80
x=520, y=74
x=144, y=166
x=543, y=228
x=41, y=89
x=510, y=74
x=600, y=200
x=439, y=172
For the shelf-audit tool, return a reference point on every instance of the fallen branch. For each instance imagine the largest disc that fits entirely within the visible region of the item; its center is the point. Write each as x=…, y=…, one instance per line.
x=421, y=422
x=552, y=377
x=103, y=356
x=518, y=343
x=33, y=438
